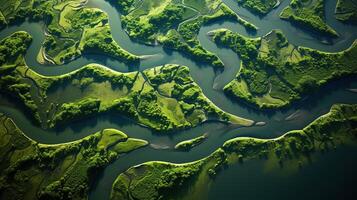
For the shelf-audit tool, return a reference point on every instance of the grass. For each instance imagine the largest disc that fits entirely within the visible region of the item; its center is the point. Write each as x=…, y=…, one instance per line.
x=129, y=145
x=203, y=6
x=95, y=89
x=72, y=23
x=189, y=144
x=33, y=170
x=293, y=150
x=274, y=73
x=260, y=7
x=176, y=25
x=309, y=15
x=346, y=11
x=111, y=137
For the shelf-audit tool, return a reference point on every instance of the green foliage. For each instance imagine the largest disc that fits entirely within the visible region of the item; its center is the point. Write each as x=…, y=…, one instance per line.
x=307, y=84
x=30, y=170
x=261, y=7
x=183, y=106
x=70, y=111
x=176, y=26
x=346, y=11
x=309, y=14
x=158, y=180
x=274, y=73
x=13, y=46
x=189, y=144
x=12, y=49
x=153, y=180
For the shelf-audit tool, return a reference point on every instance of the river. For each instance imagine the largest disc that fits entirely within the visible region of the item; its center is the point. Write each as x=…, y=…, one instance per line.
x=299, y=115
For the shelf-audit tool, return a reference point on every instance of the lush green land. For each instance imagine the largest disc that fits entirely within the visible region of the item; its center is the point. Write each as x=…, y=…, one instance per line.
x=71, y=31
x=309, y=14
x=189, y=144
x=274, y=73
x=159, y=180
x=30, y=170
x=176, y=24
x=260, y=7
x=346, y=11
x=163, y=98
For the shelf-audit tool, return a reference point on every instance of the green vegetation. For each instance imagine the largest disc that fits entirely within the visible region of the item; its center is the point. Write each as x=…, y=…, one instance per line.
x=158, y=180
x=164, y=98
x=309, y=14
x=12, y=50
x=274, y=73
x=69, y=111
x=15, y=11
x=346, y=11
x=189, y=144
x=71, y=29
x=79, y=30
x=176, y=25
x=124, y=6
x=30, y=170
x=261, y=7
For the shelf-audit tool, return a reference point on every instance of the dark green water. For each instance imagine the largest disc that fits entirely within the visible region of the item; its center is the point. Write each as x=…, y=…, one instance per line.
x=331, y=176
x=211, y=83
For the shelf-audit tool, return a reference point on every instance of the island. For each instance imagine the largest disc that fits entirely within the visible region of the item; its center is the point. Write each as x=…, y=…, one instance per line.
x=308, y=14
x=31, y=170
x=346, y=11
x=175, y=24
x=187, y=145
x=163, y=98
x=275, y=73
x=71, y=30
x=260, y=7
x=163, y=180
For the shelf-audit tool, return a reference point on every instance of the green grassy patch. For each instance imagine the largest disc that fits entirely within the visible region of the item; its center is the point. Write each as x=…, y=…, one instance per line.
x=274, y=72
x=189, y=144
x=308, y=14
x=95, y=89
x=346, y=11
x=31, y=170
x=293, y=150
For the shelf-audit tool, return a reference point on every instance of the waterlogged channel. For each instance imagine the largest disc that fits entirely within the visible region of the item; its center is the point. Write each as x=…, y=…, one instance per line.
x=211, y=83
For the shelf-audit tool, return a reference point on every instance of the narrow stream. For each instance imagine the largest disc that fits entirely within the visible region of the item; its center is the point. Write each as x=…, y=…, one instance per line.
x=211, y=83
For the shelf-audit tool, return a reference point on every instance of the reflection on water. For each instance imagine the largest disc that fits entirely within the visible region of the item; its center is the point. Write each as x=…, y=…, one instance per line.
x=330, y=176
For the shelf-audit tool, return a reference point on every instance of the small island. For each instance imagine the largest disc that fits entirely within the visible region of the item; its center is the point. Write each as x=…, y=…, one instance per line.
x=164, y=98
x=187, y=145
x=274, y=73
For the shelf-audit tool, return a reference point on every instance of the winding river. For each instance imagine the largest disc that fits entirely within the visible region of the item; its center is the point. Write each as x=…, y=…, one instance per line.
x=278, y=122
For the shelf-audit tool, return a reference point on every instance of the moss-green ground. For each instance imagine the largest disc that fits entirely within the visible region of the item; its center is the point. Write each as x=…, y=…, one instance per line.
x=275, y=73
x=96, y=89
x=187, y=145
x=31, y=170
x=346, y=11
x=261, y=7
x=162, y=180
x=71, y=30
x=176, y=24
x=309, y=14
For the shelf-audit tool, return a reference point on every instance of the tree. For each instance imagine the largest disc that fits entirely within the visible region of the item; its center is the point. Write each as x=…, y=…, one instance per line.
x=307, y=84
